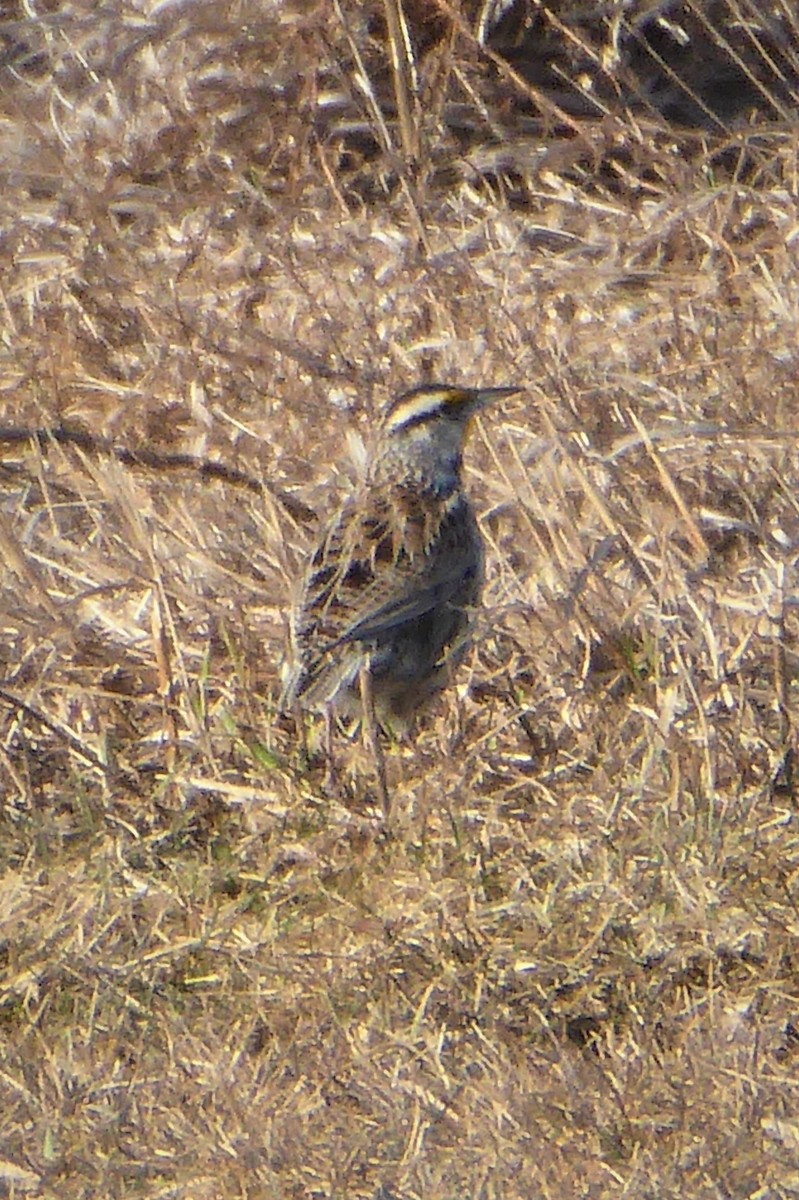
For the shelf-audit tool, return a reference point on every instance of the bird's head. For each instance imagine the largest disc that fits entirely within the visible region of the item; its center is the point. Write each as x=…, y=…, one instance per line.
x=424, y=431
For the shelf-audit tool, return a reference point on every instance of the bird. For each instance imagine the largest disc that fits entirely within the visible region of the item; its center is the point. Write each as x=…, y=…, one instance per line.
x=388, y=591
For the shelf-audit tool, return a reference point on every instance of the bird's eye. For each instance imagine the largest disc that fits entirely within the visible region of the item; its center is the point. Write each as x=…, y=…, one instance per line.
x=373, y=528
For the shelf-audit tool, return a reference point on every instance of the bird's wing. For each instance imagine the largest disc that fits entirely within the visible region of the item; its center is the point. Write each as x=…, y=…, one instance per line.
x=374, y=570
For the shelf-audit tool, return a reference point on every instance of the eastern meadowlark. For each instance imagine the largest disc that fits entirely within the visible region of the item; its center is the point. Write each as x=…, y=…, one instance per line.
x=386, y=599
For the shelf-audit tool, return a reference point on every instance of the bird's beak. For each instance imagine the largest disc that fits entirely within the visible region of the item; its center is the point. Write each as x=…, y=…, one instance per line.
x=480, y=398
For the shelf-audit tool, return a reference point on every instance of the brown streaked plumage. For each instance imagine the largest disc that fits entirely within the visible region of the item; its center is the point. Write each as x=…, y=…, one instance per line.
x=395, y=573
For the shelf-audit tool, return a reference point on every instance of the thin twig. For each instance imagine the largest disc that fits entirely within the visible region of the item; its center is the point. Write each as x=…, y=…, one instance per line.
x=61, y=435
x=406, y=82
x=71, y=739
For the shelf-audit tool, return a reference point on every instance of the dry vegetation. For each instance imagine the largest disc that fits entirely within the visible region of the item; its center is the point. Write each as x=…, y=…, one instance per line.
x=229, y=232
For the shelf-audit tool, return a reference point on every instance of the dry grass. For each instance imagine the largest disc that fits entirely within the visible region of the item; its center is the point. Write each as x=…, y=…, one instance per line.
x=573, y=969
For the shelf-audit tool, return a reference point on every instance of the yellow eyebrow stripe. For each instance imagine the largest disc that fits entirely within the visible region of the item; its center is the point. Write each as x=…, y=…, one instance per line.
x=425, y=402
